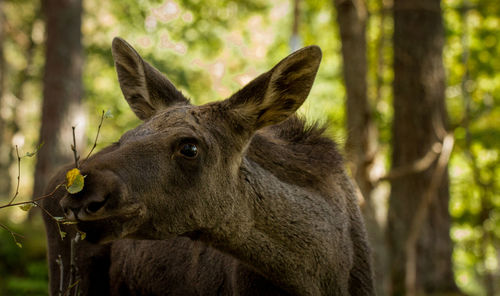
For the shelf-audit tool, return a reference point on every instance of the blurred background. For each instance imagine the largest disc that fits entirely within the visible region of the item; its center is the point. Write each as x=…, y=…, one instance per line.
x=410, y=89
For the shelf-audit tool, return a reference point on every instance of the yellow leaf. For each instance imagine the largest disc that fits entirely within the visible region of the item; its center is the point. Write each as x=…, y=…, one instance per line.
x=74, y=181
x=71, y=176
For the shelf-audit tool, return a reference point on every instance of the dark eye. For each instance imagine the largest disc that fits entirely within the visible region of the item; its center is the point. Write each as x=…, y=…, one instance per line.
x=189, y=150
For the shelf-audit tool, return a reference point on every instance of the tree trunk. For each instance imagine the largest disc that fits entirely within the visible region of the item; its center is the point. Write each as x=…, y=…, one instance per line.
x=62, y=87
x=295, y=40
x=13, y=84
x=420, y=121
x=5, y=139
x=361, y=136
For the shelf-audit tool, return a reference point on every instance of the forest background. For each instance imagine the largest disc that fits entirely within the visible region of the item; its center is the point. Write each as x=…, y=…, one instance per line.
x=402, y=85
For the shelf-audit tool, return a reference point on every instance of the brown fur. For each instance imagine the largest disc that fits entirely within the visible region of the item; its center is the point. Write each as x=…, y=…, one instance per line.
x=265, y=207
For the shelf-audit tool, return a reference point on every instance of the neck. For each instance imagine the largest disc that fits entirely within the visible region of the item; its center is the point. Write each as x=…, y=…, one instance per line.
x=289, y=234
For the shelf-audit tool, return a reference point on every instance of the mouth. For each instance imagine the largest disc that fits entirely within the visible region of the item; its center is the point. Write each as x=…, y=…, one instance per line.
x=108, y=229
x=100, y=231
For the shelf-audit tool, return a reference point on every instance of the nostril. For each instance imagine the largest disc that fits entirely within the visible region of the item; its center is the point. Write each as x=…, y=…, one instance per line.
x=70, y=213
x=93, y=207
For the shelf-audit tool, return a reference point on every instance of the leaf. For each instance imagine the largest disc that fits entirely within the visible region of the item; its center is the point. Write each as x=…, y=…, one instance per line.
x=31, y=154
x=62, y=234
x=58, y=218
x=26, y=207
x=69, y=222
x=77, y=185
x=71, y=176
x=83, y=235
x=19, y=244
x=74, y=181
x=108, y=114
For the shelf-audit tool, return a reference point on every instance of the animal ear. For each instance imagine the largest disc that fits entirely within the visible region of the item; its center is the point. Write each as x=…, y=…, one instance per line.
x=144, y=87
x=277, y=94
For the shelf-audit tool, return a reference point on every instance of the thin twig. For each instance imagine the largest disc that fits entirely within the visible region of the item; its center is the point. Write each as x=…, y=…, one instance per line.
x=11, y=202
x=77, y=238
x=72, y=261
x=73, y=147
x=14, y=234
x=77, y=288
x=74, y=277
x=31, y=201
x=11, y=232
x=35, y=203
x=71, y=266
x=46, y=212
x=18, y=177
x=68, y=290
x=61, y=274
x=96, y=137
x=61, y=233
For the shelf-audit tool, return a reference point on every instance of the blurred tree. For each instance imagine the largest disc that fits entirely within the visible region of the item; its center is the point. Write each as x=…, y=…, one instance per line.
x=361, y=144
x=18, y=70
x=62, y=87
x=419, y=125
x=5, y=155
x=295, y=40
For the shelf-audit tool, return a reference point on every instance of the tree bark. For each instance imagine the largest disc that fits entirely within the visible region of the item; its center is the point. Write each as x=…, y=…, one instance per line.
x=5, y=139
x=361, y=131
x=420, y=120
x=62, y=87
x=295, y=40
x=13, y=84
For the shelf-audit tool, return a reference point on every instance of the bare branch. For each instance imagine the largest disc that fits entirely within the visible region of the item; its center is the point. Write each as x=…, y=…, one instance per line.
x=72, y=263
x=11, y=232
x=61, y=274
x=68, y=290
x=417, y=166
x=96, y=137
x=73, y=148
x=14, y=234
x=32, y=201
x=18, y=177
x=46, y=212
x=421, y=213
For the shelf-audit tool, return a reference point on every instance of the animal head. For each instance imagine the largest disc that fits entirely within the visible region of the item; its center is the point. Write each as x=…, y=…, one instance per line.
x=179, y=171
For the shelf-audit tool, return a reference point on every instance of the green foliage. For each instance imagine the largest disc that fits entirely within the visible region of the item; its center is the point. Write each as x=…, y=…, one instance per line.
x=23, y=271
x=472, y=60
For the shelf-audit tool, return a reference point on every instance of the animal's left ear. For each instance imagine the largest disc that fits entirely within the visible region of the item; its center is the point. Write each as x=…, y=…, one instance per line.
x=278, y=93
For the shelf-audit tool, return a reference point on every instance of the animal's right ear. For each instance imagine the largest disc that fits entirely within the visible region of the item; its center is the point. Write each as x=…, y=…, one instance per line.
x=144, y=87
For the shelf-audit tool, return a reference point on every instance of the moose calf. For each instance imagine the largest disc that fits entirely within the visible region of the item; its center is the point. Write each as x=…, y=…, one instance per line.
x=235, y=197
